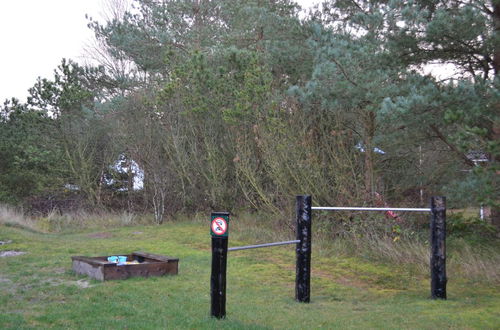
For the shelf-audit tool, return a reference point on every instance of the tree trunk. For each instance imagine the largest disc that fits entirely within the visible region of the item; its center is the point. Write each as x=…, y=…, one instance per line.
x=130, y=185
x=197, y=24
x=369, y=161
x=159, y=204
x=496, y=23
x=495, y=210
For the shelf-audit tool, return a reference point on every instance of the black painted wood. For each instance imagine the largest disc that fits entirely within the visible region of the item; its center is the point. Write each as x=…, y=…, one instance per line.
x=438, y=247
x=303, y=250
x=218, y=276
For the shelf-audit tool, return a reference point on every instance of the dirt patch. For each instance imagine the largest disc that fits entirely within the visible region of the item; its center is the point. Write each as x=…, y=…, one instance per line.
x=5, y=280
x=100, y=235
x=6, y=285
x=11, y=253
x=84, y=284
x=60, y=270
x=350, y=282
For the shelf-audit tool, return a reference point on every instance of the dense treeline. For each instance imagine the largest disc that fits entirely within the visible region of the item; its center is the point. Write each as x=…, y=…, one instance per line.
x=226, y=104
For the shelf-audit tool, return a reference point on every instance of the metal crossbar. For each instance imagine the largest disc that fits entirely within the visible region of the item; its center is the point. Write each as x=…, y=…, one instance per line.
x=402, y=209
x=246, y=247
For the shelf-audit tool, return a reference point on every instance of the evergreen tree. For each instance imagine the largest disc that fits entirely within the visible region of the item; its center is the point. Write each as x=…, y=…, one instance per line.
x=29, y=160
x=447, y=118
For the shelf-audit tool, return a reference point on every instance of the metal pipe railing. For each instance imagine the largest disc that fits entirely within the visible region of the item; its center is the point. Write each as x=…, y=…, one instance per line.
x=246, y=247
x=402, y=209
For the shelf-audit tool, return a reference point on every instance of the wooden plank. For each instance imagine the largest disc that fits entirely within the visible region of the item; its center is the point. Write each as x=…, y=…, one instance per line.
x=84, y=268
x=92, y=261
x=141, y=270
x=155, y=256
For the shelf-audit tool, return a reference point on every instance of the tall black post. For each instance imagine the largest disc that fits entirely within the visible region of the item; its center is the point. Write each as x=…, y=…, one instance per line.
x=438, y=247
x=219, y=228
x=303, y=267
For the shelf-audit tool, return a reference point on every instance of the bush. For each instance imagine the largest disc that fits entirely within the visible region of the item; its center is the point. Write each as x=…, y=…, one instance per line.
x=472, y=227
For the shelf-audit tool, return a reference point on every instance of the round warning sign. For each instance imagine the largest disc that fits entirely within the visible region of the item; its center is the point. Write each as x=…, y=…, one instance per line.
x=219, y=226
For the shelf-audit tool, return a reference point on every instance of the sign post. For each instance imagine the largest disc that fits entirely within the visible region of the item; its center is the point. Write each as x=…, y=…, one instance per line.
x=219, y=230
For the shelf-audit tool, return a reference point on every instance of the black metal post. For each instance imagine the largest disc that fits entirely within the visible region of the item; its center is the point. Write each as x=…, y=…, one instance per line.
x=438, y=247
x=303, y=250
x=219, y=266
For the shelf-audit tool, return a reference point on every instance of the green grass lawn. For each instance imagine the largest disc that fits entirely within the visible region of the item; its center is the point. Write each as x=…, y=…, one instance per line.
x=39, y=290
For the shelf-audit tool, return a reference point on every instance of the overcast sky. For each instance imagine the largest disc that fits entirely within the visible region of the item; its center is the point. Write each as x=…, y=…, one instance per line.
x=36, y=34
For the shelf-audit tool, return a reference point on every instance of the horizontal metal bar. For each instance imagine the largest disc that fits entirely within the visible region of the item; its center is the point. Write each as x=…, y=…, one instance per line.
x=246, y=247
x=402, y=209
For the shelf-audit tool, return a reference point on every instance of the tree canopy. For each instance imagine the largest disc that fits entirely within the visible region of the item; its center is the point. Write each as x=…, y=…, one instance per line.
x=228, y=104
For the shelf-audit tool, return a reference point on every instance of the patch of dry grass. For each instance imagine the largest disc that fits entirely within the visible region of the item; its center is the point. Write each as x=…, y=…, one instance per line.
x=370, y=241
x=11, y=216
x=476, y=263
x=57, y=222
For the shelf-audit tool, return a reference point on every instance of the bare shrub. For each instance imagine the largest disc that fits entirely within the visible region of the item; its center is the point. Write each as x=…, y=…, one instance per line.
x=127, y=218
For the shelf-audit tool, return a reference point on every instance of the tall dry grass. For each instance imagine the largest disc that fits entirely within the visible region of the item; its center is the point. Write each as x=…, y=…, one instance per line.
x=376, y=240
x=79, y=220
x=12, y=216
x=464, y=260
x=477, y=263
x=71, y=221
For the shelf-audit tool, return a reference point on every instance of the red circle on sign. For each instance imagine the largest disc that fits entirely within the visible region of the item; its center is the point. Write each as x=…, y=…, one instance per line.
x=219, y=226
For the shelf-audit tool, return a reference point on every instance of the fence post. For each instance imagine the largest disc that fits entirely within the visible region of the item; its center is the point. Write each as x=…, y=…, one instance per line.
x=219, y=229
x=303, y=249
x=438, y=247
